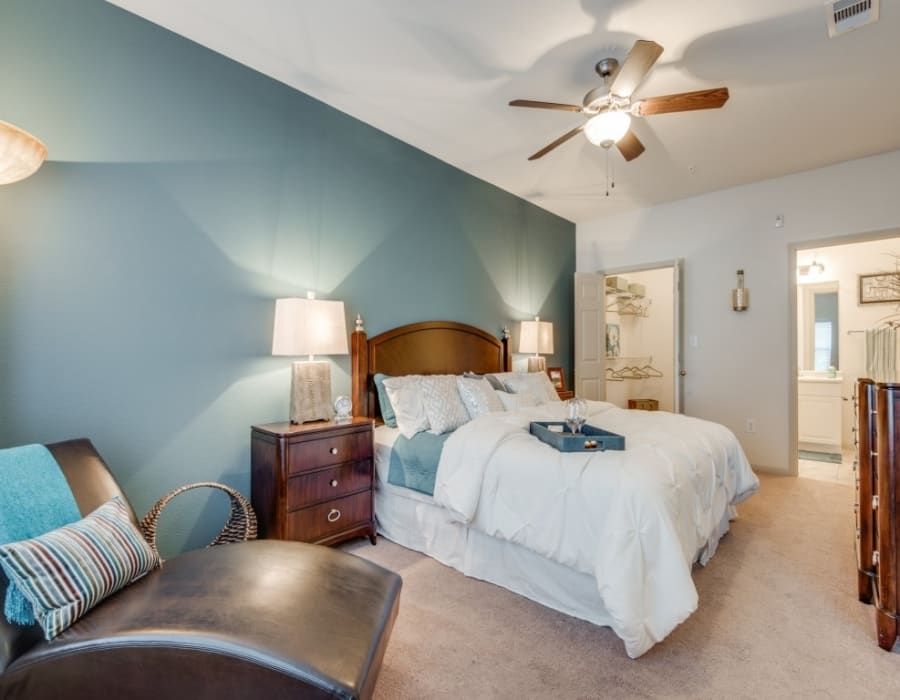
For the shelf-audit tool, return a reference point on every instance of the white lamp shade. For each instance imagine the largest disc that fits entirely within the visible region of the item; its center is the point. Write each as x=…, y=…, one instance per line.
x=309, y=327
x=20, y=154
x=607, y=128
x=536, y=337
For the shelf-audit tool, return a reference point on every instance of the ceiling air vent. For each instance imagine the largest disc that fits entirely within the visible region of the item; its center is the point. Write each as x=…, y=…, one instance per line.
x=845, y=15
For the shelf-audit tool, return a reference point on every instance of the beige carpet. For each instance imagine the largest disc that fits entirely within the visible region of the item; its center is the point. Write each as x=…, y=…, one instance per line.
x=778, y=618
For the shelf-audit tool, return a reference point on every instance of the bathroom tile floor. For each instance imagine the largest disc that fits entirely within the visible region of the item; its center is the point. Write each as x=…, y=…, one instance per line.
x=827, y=471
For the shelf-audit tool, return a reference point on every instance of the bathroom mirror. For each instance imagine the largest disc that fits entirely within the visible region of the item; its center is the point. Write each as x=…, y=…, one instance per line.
x=819, y=326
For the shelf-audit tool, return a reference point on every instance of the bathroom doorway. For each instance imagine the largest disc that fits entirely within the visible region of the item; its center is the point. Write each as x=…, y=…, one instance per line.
x=831, y=321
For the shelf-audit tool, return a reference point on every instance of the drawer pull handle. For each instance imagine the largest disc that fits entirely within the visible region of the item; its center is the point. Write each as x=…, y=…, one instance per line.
x=875, y=558
x=875, y=502
x=334, y=482
x=334, y=515
x=333, y=450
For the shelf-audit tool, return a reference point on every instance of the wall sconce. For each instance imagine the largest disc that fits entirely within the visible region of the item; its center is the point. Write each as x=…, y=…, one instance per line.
x=536, y=337
x=310, y=327
x=740, y=297
x=21, y=154
x=814, y=269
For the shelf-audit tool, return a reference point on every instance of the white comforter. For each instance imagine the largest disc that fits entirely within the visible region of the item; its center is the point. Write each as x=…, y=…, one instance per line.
x=635, y=519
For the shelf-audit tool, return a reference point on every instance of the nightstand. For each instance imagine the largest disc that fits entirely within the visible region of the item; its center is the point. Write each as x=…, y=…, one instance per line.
x=313, y=482
x=565, y=394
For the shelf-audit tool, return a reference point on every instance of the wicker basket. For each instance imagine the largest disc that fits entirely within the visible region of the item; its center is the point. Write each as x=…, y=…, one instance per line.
x=240, y=526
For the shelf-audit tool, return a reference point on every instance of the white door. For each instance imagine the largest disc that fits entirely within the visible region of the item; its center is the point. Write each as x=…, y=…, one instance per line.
x=590, y=353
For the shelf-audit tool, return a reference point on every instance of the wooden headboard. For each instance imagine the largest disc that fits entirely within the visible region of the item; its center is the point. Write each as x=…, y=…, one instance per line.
x=430, y=347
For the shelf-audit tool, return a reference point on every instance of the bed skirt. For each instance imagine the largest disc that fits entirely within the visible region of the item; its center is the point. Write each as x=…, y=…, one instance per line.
x=414, y=521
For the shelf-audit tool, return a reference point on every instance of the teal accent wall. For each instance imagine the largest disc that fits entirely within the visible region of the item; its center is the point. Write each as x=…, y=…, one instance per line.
x=183, y=194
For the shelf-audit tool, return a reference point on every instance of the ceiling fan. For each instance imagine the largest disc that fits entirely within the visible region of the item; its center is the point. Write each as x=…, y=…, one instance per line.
x=611, y=108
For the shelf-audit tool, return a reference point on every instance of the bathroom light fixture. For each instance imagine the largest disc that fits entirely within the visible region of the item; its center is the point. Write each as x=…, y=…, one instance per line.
x=536, y=337
x=310, y=327
x=21, y=154
x=607, y=128
x=814, y=268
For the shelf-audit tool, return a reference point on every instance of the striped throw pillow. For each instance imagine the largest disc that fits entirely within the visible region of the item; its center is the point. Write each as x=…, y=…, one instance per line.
x=67, y=571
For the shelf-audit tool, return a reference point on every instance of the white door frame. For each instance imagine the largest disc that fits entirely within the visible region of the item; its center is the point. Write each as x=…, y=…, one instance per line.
x=677, y=266
x=793, y=248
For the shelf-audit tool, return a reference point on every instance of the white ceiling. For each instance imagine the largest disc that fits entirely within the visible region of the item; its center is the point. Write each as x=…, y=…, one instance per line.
x=438, y=74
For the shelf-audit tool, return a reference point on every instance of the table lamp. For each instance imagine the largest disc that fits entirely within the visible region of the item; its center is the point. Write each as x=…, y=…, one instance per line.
x=310, y=327
x=20, y=153
x=536, y=337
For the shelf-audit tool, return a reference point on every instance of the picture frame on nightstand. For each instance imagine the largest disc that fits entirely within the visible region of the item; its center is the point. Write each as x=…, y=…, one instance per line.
x=557, y=378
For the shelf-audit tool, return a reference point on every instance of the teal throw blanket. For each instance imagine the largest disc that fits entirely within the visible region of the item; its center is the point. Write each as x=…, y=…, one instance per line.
x=34, y=498
x=414, y=461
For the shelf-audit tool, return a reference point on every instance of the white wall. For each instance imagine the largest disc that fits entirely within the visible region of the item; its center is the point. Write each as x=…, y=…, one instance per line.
x=843, y=264
x=646, y=339
x=741, y=367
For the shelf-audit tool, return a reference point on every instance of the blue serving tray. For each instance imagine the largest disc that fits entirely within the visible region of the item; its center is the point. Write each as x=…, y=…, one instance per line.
x=590, y=439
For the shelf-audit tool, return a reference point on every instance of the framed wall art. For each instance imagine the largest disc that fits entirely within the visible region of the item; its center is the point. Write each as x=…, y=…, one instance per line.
x=879, y=288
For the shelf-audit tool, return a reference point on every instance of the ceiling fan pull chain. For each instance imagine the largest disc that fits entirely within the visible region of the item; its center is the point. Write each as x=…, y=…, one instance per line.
x=607, y=171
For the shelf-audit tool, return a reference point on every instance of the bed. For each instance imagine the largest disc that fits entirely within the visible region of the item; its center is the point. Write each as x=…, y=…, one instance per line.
x=606, y=537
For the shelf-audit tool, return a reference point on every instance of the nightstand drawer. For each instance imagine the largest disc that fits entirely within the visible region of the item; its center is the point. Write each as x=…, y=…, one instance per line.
x=317, y=522
x=325, y=484
x=329, y=450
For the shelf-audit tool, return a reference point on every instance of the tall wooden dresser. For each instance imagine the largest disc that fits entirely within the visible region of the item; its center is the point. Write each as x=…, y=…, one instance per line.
x=878, y=503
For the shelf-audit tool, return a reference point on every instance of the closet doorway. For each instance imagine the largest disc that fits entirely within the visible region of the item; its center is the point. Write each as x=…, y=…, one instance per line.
x=837, y=300
x=628, y=336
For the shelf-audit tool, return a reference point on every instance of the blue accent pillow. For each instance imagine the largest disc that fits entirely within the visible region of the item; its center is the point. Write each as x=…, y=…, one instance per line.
x=387, y=411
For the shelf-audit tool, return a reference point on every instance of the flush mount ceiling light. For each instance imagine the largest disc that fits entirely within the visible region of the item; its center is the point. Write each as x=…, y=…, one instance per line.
x=607, y=128
x=21, y=154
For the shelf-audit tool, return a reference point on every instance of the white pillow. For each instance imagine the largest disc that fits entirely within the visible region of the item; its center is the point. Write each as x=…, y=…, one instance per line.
x=406, y=399
x=497, y=379
x=478, y=396
x=443, y=404
x=536, y=383
x=513, y=401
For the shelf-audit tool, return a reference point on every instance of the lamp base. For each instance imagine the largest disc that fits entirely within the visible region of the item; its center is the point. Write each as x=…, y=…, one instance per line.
x=310, y=391
x=537, y=363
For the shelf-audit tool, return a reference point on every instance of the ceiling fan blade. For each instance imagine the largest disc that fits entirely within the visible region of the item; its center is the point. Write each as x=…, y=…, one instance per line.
x=545, y=105
x=550, y=146
x=683, y=102
x=635, y=68
x=630, y=146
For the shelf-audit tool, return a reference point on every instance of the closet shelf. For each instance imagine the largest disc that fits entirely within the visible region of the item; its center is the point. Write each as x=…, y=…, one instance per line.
x=631, y=358
x=623, y=296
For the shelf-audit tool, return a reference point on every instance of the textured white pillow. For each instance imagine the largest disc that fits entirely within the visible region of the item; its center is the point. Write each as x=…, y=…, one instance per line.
x=405, y=396
x=513, y=401
x=478, y=396
x=443, y=404
x=536, y=383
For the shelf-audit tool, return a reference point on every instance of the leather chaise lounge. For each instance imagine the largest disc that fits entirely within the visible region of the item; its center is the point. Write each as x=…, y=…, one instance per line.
x=257, y=619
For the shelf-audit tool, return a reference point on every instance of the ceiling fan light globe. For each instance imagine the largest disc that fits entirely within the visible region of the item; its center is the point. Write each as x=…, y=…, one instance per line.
x=607, y=128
